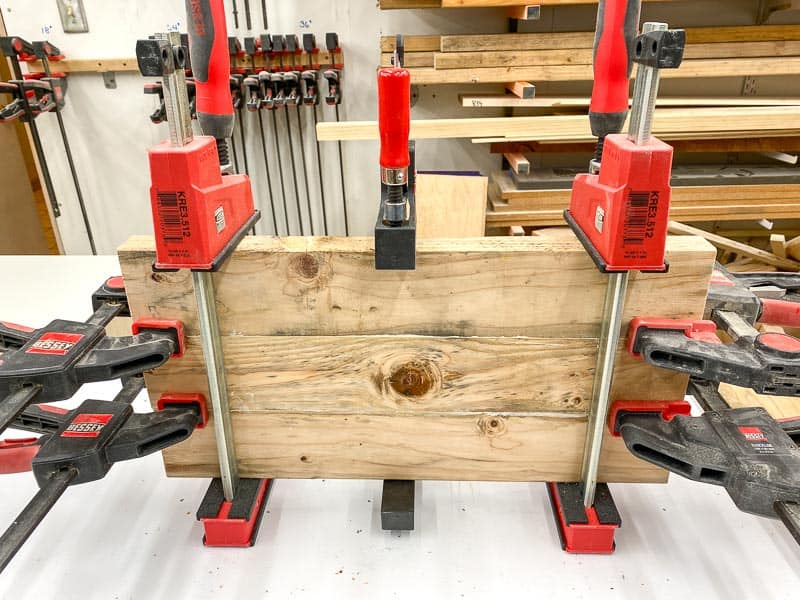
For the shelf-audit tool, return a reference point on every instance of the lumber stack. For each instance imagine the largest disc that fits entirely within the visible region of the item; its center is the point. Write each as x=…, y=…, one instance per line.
x=553, y=57
x=509, y=206
x=478, y=365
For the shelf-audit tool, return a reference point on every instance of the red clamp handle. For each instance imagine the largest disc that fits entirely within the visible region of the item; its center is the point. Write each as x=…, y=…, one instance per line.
x=211, y=68
x=617, y=26
x=394, y=117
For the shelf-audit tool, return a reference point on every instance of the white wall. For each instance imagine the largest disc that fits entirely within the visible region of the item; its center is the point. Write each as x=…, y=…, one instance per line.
x=110, y=132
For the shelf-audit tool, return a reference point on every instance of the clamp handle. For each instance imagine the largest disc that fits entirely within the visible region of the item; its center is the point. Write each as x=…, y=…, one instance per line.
x=394, y=117
x=208, y=47
x=617, y=26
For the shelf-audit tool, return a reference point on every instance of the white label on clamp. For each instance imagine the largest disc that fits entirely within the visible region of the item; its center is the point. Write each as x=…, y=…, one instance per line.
x=599, y=219
x=219, y=219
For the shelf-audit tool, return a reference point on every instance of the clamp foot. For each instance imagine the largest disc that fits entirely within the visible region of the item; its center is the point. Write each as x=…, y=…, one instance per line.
x=584, y=530
x=397, y=505
x=233, y=524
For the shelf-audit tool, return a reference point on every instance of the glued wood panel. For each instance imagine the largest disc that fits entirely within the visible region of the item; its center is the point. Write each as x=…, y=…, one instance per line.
x=476, y=366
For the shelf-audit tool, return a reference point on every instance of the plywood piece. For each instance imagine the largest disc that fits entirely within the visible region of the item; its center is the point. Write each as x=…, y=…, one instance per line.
x=450, y=206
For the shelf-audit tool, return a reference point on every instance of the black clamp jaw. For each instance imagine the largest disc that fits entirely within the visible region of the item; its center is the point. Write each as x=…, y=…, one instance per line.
x=333, y=76
x=50, y=364
x=768, y=363
x=396, y=235
x=743, y=450
x=81, y=445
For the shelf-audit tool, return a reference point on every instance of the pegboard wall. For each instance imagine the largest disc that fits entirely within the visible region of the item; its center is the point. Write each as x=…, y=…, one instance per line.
x=110, y=131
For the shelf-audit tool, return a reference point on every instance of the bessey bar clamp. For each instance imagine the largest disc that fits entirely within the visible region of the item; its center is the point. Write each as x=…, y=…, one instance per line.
x=769, y=363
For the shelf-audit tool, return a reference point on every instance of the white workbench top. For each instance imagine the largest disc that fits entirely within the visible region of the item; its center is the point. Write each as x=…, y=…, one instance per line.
x=133, y=534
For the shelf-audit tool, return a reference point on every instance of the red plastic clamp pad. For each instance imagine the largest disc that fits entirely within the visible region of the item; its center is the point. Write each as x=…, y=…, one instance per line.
x=719, y=278
x=704, y=331
x=234, y=533
x=16, y=455
x=141, y=324
x=115, y=283
x=593, y=537
x=167, y=400
x=667, y=409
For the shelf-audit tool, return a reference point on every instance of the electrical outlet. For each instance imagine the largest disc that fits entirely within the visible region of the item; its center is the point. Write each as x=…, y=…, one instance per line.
x=73, y=17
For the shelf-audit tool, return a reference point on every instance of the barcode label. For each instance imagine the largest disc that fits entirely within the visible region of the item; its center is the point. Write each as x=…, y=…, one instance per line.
x=169, y=217
x=636, y=214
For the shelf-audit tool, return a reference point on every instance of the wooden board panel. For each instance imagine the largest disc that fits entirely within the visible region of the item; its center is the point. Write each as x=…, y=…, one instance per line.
x=412, y=375
x=469, y=287
x=454, y=447
x=740, y=122
x=311, y=400
x=450, y=206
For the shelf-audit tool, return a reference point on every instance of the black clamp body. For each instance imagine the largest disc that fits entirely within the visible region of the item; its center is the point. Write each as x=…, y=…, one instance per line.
x=100, y=433
x=743, y=450
x=396, y=242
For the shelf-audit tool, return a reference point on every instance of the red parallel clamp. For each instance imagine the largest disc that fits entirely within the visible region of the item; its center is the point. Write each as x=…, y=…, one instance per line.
x=199, y=400
x=584, y=530
x=16, y=455
x=233, y=524
x=703, y=331
x=163, y=324
x=668, y=410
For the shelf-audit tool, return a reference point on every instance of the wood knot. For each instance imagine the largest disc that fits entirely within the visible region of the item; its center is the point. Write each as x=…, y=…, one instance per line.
x=306, y=266
x=415, y=379
x=492, y=425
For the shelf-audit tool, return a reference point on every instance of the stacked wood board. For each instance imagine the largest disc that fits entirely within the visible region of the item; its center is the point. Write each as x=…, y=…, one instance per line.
x=542, y=208
x=476, y=366
x=668, y=124
x=502, y=58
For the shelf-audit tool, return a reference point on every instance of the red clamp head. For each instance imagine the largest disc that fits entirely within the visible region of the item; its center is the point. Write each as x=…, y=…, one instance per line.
x=198, y=400
x=667, y=410
x=163, y=324
x=704, y=331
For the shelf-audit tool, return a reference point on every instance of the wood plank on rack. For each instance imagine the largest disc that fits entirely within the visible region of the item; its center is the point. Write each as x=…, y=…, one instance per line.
x=692, y=123
x=700, y=68
x=524, y=58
